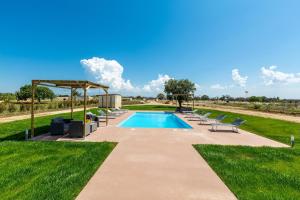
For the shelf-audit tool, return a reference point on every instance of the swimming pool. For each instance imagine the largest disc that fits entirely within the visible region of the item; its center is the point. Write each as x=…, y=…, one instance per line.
x=154, y=120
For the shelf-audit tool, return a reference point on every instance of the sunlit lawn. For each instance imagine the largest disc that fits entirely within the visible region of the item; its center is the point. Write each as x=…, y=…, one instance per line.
x=48, y=170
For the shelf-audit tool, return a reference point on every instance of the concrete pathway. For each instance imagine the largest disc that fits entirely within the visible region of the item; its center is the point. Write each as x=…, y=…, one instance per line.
x=161, y=164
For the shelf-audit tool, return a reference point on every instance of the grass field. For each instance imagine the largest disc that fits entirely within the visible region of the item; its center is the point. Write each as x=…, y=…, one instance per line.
x=48, y=170
x=256, y=173
x=275, y=129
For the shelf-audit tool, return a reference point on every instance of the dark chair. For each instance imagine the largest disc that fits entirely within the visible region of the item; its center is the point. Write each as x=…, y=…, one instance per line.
x=76, y=128
x=59, y=126
x=93, y=118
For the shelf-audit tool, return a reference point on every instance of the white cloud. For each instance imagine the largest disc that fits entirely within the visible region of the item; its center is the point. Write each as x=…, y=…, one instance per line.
x=272, y=76
x=108, y=72
x=157, y=85
x=238, y=79
x=218, y=87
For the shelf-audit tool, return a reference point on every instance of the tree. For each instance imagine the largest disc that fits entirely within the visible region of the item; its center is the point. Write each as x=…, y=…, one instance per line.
x=183, y=87
x=160, y=96
x=25, y=93
x=44, y=93
x=204, y=97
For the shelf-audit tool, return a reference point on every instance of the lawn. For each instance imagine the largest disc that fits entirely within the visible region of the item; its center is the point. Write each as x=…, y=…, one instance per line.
x=48, y=170
x=15, y=130
x=275, y=129
x=256, y=173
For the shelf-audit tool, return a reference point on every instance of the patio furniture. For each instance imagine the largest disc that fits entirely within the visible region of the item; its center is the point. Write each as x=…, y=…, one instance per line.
x=216, y=120
x=188, y=113
x=102, y=115
x=116, y=113
x=77, y=128
x=93, y=117
x=198, y=117
x=72, y=85
x=119, y=110
x=234, y=125
x=59, y=126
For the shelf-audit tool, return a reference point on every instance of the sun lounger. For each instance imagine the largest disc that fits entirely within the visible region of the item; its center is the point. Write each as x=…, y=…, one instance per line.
x=102, y=115
x=189, y=112
x=198, y=117
x=216, y=120
x=119, y=110
x=234, y=125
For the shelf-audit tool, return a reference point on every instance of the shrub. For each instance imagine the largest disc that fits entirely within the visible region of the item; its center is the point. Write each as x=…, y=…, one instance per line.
x=23, y=107
x=12, y=108
x=2, y=107
x=257, y=106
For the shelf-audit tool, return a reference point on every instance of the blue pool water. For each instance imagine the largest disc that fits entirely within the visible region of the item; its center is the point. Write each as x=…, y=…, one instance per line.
x=153, y=120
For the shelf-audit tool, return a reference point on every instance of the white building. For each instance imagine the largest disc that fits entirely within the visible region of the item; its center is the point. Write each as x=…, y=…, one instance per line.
x=114, y=101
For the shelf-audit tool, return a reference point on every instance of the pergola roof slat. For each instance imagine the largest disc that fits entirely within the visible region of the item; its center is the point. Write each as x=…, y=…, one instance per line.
x=70, y=84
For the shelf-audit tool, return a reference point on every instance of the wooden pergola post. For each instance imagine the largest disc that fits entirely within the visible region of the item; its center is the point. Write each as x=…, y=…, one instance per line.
x=106, y=94
x=32, y=107
x=84, y=110
x=72, y=102
x=193, y=101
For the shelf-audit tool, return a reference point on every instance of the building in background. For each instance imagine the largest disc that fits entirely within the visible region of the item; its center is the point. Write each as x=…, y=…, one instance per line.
x=114, y=101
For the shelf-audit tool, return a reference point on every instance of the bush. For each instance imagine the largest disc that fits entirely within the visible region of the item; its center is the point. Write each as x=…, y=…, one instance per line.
x=12, y=108
x=257, y=106
x=23, y=108
x=2, y=107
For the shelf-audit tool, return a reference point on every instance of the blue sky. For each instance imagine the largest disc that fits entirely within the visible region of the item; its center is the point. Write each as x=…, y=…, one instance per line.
x=135, y=45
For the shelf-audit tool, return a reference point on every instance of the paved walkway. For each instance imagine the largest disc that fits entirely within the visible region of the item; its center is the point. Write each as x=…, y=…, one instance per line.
x=161, y=164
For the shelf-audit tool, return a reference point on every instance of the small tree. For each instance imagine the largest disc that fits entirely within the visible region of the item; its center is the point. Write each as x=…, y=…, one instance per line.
x=25, y=93
x=182, y=87
x=44, y=93
x=204, y=97
x=161, y=96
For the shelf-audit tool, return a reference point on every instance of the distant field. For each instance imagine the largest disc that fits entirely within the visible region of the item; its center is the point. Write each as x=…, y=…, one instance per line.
x=48, y=170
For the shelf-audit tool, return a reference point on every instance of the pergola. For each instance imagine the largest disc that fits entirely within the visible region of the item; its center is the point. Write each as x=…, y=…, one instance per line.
x=187, y=95
x=67, y=84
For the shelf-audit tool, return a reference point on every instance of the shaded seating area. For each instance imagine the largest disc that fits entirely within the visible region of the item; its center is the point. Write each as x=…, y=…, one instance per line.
x=61, y=126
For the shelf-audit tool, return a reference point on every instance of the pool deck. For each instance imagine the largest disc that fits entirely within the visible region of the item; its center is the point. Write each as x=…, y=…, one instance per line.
x=161, y=163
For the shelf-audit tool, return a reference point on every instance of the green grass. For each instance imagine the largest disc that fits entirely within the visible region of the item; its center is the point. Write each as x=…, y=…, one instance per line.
x=256, y=173
x=275, y=129
x=15, y=130
x=48, y=170
x=150, y=107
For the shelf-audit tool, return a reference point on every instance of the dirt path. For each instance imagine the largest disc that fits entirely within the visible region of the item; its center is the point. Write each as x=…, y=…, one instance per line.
x=27, y=116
